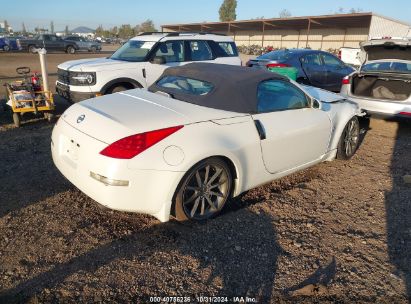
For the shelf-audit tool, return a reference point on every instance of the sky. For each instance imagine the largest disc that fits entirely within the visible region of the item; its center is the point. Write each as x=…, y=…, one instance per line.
x=109, y=13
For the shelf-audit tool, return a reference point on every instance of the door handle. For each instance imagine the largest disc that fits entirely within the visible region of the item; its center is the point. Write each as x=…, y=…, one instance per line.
x=260, y=129
x=144, y=73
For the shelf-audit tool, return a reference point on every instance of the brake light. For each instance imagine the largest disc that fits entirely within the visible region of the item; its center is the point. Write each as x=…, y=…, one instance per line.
x=346, y=80
x=405, y=113
x=130, y=146
x=277, y=65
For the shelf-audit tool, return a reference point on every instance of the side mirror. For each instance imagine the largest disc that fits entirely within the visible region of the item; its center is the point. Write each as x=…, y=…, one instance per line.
x=158, y=60
x=315, y=104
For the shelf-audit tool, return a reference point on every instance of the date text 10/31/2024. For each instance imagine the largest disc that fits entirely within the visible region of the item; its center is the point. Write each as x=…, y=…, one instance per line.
x=203, y=299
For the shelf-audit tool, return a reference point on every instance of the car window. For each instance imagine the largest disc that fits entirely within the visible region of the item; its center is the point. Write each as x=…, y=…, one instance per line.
x=200, y=50
x=133, y=50
x=311, y=59
x=277, y=95
x=171, y=51
x=185, y=85
x=331, y=60
x=387, y=66
x=228, y=48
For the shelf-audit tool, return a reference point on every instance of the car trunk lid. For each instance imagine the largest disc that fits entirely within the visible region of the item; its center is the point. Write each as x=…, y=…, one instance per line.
x=399, y=49
x=111, y=117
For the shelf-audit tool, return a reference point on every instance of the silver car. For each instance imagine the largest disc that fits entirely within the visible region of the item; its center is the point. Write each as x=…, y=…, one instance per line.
x=382, y=85
x=84, y=44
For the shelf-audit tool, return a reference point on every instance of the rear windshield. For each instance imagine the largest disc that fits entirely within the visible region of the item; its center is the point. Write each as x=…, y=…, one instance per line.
x=185, y=85
x=387, y=66
x=276, y=55
x=133, y=50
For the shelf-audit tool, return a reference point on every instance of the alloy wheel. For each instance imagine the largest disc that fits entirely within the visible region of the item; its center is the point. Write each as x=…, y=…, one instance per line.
x=206, y=191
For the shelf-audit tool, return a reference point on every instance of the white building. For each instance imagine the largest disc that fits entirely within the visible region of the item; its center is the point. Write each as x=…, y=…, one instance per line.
x=317, y=32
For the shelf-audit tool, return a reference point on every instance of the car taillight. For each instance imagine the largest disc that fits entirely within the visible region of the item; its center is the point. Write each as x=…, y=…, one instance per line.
x=405, y=113
x=130, y=146
x=346, y=80
x=339, y=54
x=277, y=65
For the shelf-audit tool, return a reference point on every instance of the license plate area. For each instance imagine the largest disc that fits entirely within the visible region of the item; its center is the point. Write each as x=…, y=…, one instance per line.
x=70, y=148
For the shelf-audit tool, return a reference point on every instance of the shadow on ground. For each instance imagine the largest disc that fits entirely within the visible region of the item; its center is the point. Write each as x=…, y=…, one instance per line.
x=398, y=206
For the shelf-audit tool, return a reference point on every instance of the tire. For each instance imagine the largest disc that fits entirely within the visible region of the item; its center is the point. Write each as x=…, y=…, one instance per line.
x=6, y=48
x=203, y=191
x=93, y=49
x=70, y=50
x=118, y=88
x=16, y=120
x=49, y=116
x=32, y=49
x=349, y=140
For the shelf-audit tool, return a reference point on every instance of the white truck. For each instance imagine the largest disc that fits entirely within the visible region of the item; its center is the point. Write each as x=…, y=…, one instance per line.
x=351, y=56
x=140, y=61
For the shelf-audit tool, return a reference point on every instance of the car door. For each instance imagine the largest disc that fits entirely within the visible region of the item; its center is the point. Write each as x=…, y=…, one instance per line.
x=292, y=132
x=314, y=69
x=335, y=71
x=172, y=53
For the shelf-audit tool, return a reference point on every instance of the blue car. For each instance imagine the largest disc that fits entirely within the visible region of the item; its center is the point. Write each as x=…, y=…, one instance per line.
x=316, y=68
x=9, y=44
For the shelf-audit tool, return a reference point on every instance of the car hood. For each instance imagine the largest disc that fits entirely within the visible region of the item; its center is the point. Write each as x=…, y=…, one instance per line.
x=386, y=49
x=322, y=95
x=92, y=65
x=111, y=117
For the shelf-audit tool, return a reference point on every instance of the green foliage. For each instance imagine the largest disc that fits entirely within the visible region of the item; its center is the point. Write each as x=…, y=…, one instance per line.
x=23, y=29
x=126, y=31
x=227, y=10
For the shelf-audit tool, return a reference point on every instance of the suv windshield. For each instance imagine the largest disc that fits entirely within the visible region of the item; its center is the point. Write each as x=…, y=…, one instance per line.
x=387, y=66
x=133, y=50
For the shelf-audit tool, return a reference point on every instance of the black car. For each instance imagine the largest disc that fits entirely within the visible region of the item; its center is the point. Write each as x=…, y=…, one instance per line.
x=317, y=68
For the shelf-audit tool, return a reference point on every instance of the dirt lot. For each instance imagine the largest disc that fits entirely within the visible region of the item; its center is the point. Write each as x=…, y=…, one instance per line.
x=338, y=232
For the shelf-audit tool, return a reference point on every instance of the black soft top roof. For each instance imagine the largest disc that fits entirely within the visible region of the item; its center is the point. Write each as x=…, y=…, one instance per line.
x=235, y=87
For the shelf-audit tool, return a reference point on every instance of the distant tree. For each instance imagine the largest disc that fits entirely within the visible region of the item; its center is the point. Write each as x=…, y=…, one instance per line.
x=146, y=26
x=114, y=31
x=228, y=10
x=99, y=31
x=23, y=29
x=52, y=27
x=125, y=31
x=284, y=14
x=66, y=30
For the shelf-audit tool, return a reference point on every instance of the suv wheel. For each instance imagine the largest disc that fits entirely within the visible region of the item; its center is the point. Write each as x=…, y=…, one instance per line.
x=93, y=49
x=71, y=50
x=6, y=48
x=118, y=88
x=32, y=49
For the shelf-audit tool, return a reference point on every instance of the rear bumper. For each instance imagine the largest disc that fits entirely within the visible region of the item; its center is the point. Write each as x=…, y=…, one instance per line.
x=147, y=191
x=385, y=108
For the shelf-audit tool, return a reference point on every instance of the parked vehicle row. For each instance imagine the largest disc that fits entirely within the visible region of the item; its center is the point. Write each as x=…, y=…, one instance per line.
x=51, y=42
x=199, y=135
x=194, y=132
x=9, y=44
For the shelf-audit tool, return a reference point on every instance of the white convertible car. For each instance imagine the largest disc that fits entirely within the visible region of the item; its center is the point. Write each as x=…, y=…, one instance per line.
x=201, y=134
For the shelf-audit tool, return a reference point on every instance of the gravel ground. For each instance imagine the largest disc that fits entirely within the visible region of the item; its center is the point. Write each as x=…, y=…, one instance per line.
x=340, y=231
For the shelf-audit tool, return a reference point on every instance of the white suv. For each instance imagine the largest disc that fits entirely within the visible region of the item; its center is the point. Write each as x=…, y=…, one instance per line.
x=140, y=61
